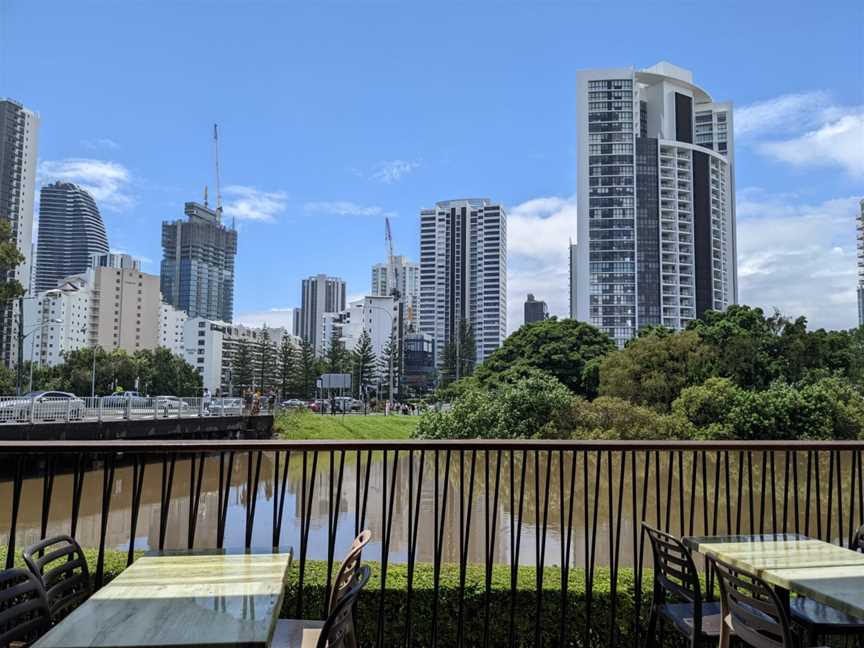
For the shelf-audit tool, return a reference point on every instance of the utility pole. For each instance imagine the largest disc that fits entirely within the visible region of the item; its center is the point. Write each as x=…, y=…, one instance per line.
x=19, y=369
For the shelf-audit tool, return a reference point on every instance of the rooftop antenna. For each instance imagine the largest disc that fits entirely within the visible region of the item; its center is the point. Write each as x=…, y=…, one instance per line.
x=218, y=186
x=205, y=195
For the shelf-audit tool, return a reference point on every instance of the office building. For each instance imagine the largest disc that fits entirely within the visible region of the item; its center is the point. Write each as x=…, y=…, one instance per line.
x=320, y=294
x=197, y=272
x=463, y=273
x=418, y=371
x=656, y=212
x=861, y=263
x=70, y=232
x=19, y=136
x=407, y=279
x=535, y=310
x=59, y=319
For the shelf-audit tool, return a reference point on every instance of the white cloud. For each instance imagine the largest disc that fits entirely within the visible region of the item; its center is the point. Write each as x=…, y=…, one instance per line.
x=345, y=208
x=836, y=143
x=798, y=258
x=100, y=143
x=273, y=318
x=249, y=203
x=108, y=182
x=391, y=171
x=805, y=129
x=538, y=232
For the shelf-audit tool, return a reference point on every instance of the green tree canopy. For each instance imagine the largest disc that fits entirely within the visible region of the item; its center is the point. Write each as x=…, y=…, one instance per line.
x=561, y=348
x=363, y=362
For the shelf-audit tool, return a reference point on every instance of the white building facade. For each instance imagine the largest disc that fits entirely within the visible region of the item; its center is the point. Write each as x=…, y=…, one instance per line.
x=172, y=323
x=59, y=321
x=656, y=211
x=408, y=284
x=463, y=273
x=376, y=315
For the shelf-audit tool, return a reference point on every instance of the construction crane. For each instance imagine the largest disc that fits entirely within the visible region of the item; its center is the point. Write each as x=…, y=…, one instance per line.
x=216, y=163
x=392, y=271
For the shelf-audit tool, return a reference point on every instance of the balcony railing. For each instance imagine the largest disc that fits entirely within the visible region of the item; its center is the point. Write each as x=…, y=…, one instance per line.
x=560, y=507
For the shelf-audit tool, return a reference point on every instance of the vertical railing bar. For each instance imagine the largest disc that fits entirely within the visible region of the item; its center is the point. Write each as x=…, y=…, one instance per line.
x=107, y=487
x=566, y=529
x=640, y=549
x=195, y=495
x=752, y=527
x=716, y=490
x=385, y=550
x=412, y=534
x=839, y=499
x=852, y=500
x=280, y=498
x=762, y=492
x=739, y=466
x=17, y=487
x=439, y=540
x=331, y=540
x=617, y=545
x=589, y=595
x=817, y=482
x=786, y=491
x=542, y=544
x=167, y=483
x=773, y=492
x=224, y=492
x=305, y=523
x=694, y=468
x=463, y=551
x=514, y=553
x=366, y=489
x=795, y=490
x=138, y=467
x=357, y=494
x=47, y=493
x=728, y=490
x=77, y=491
x=830, y=500
x=680, y=493
x=671, y=468
x=252, y=499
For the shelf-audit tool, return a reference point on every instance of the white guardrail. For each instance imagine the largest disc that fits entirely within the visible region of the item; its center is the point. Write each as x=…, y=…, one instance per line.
x=60, y=409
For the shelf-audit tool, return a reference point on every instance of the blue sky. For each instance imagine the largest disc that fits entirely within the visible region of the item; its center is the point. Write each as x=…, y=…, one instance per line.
x=334, y=114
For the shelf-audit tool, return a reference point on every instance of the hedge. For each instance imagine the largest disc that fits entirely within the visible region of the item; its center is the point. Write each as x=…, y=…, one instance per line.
x=609, y=611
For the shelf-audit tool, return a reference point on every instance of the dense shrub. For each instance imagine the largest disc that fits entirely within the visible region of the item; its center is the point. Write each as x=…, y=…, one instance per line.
x=561, y=348
x=526, y=408
x=828, y=408
x=607, y=417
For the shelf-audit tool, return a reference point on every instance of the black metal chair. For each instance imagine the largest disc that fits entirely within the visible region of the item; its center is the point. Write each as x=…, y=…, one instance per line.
x=290, y=631
x=678, y=594
x=753, y=610
x=820, y=620
x=24, y=612
x=61, y=567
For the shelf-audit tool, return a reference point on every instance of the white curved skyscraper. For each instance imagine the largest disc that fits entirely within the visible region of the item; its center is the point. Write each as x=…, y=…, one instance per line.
x=656, y=201
x=70, y=232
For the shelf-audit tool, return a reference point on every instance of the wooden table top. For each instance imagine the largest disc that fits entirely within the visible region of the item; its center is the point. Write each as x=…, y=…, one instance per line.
x=177, y=599
x=824, y=572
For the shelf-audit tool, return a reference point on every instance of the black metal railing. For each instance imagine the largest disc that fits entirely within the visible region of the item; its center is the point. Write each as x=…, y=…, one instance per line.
x=571, y=505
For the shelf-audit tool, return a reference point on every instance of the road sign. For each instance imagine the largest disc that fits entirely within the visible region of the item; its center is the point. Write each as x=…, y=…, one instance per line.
x=335, y=381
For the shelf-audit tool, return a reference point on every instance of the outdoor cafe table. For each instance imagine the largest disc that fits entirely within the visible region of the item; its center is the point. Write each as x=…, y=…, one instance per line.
x=794, y=563
x=181, y=599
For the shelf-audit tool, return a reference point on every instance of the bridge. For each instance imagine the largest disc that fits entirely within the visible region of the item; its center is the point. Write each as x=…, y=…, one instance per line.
x=70, y=418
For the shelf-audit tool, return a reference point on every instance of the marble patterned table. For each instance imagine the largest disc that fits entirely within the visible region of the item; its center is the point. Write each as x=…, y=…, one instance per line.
x=821, y=571
x=181, y=600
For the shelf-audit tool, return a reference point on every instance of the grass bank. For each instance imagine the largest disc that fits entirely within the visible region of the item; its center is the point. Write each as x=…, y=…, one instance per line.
x=307, y=425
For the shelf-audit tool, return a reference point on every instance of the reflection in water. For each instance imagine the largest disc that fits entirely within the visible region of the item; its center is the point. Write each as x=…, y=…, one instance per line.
x=606, y=492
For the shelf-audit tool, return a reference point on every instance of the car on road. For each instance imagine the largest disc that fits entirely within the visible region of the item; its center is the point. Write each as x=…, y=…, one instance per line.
x=43, y=406
x=293, y=403
x=171, y=406
x=130, y=398
x=225, y=406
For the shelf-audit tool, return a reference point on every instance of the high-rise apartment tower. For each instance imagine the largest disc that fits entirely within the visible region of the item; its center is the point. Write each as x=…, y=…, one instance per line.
x=656, y=210
x=320, y=294
x=19, y=132
x=70, y=232
x=463, y=273
x=408, y=280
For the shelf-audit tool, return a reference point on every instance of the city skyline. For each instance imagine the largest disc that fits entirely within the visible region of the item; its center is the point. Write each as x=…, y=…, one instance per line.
x=798, y=167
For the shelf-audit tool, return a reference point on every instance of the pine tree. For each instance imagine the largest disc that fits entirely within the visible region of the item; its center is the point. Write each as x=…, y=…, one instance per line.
x=390, y=349
x=287, y=366
x=459, y=359
x=364, y=363
x=336, y=359
x=265, y=360
x=307, y=371
x=242, y=365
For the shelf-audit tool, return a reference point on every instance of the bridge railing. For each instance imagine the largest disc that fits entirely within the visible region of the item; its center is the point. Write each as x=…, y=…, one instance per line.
x=457, y=510
x=48, y=409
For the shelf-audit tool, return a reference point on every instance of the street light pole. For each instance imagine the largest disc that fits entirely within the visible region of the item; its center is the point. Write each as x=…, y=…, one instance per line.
x=19, y=369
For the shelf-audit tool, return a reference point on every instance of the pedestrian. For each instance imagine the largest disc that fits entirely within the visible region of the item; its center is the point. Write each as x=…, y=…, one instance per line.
x=256, y=404
x=206, y=401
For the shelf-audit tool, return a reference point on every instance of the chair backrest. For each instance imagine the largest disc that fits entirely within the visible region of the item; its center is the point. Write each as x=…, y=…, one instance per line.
x=24, y=612
x=675, y=572
x=338, y=630
x=753, y=609
x=60, y=565
x=857, y=543
x=348, y=567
